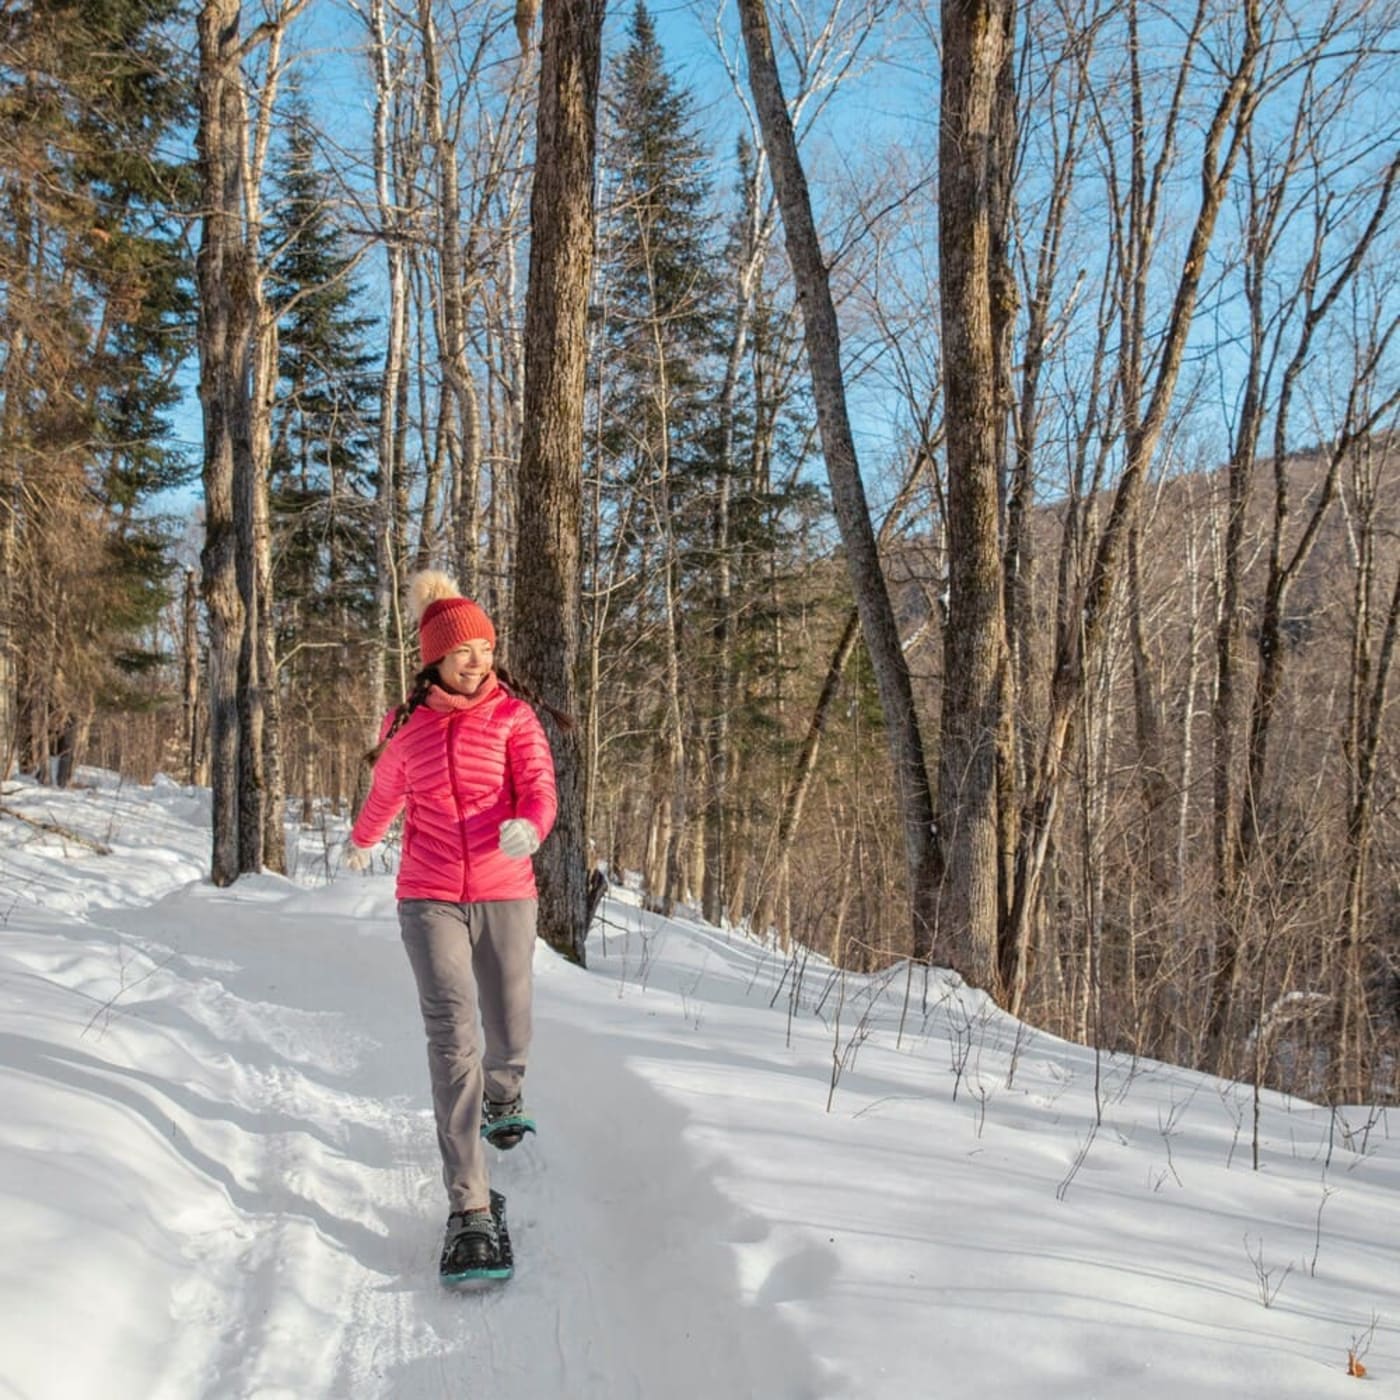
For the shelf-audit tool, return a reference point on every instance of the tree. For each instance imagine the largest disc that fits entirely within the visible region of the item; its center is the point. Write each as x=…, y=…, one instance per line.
x=1145, y=384
x=96, y=294
x=977, y=141
x=913, y=795
x=322, y=464
x=237, y=354
x=547, y=601
x=653, y=439
x=390, y=183
x=226, y=318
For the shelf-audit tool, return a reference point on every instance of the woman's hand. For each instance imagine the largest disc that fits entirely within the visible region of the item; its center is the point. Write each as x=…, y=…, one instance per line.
x=357, y=857
x=519, y=838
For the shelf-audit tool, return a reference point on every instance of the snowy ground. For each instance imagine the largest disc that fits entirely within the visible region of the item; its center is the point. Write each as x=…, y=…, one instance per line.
x=218, y=1174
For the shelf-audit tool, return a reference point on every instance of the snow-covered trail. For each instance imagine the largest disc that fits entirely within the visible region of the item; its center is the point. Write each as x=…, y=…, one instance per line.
x=755, y=1176
x=625, y=1283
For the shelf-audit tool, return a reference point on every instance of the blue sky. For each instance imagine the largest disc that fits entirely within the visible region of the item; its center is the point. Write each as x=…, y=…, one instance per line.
x=879, y=103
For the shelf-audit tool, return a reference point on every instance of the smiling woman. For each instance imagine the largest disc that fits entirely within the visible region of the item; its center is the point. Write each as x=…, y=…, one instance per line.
x=468, y=760
x=465, y=667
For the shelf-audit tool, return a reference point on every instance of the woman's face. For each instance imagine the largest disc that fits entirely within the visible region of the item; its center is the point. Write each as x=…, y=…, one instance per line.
x=464, y=668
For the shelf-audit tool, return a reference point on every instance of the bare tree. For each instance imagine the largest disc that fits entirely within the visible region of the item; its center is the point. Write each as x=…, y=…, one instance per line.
x=389, y=184
x=1286, y=335
x=1145, y=386
x=913, y=795
x=826, y=55
x=1375, y=624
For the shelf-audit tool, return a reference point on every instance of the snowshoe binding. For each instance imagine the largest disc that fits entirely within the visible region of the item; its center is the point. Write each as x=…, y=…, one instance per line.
x=504, y=1124
x=477, y=1246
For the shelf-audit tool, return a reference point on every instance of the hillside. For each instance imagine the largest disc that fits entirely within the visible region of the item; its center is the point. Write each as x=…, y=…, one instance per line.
x=219, y=1178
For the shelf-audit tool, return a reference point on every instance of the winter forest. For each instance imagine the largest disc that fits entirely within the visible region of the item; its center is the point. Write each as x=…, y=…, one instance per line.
x=941, y=461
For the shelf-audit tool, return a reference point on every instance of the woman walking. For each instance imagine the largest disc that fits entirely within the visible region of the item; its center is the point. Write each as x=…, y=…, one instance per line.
x=466, y=758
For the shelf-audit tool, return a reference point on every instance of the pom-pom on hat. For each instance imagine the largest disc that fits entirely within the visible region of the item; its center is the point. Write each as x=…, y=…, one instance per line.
x=445, y=619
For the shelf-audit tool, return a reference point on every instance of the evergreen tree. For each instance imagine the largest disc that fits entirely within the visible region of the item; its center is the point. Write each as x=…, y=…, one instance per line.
x=94, y=322
x=325, y=416
x=662, y=293
x=323, y=453
x=659, y=327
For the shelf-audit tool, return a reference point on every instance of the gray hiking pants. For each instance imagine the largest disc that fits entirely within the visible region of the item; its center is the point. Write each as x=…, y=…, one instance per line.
x=474, y=967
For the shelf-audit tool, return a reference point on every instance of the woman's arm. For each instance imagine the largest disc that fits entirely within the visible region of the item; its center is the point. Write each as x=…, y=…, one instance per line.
x=387, y=790
x=531, y=767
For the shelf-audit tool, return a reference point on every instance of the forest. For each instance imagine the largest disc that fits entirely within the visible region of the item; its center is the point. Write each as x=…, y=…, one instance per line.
x=941, y=458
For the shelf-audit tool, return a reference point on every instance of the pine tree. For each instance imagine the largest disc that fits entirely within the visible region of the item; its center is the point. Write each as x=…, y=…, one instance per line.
x=324, y=439
x=95, y=321
x=659, y=326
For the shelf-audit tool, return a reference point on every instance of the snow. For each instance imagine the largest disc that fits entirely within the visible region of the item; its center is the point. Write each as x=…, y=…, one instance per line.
x=218, y=1173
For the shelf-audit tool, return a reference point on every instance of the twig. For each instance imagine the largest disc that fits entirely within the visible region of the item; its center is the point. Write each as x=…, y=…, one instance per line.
x=1317, y=1233
x=1360, y=1345
x=1062, y=1190
x=1268, y=1289
x=57, y=829
x=122, y=990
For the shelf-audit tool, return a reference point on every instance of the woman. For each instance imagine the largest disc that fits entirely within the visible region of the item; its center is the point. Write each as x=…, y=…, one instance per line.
x=467, y=757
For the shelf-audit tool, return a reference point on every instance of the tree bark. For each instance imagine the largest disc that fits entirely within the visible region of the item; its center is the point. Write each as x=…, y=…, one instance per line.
x=547, y=581
x=975, y=152
x=190, y=648
x=224, y=333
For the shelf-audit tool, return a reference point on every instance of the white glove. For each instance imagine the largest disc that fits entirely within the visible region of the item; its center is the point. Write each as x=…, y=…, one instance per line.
x=358, y=857
x=519, y=838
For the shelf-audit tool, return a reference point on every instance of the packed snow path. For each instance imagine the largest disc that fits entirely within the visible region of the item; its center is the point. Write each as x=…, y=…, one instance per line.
x=323, y=1281
x=218, y=1172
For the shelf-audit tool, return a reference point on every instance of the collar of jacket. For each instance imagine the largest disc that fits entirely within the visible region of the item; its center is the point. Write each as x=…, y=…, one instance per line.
x=445, y=701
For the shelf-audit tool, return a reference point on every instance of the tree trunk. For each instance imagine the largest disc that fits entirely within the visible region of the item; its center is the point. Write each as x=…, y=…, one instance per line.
x=1352, y=1060
x=975, y=152
x=913, y=796
x=717, y=892
x=190, y=714
x=72, y=745
x=9, y=539
x=547, y=584
x=257, y=667
x=386, y=558
x=225, y=375
x=461, y=416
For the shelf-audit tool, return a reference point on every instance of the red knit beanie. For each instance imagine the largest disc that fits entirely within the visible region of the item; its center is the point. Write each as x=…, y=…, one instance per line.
x=446, y=620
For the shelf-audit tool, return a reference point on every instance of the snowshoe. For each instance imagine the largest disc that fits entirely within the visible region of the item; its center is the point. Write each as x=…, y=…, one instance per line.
x=504, y=1124
x=477, y=1245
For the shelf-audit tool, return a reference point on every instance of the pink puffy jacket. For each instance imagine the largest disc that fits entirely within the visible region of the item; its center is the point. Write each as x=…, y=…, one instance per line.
x=462, y=769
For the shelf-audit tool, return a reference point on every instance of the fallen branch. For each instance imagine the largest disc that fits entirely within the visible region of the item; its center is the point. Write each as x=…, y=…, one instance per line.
x=56, y=829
